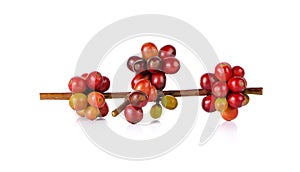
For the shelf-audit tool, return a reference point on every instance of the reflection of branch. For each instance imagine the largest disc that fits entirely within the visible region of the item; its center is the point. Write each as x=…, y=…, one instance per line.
x=176, y=93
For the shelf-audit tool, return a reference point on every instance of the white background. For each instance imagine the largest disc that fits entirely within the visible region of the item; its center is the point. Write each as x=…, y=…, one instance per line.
x=40, y=43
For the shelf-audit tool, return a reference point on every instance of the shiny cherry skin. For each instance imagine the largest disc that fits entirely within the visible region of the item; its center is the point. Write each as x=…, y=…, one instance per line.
x=78, y=101
x=77, y=85
x=143, y=85
x=132, y=114
x=139, y=66
x=167, y=51
x=153, y=94
x=143, y=75
x=96, y=99
x=104, y=110
x=220, y=89
x=84, y=75
x=149, y=50
x=158, y=79
x=131, y=61
x=94, y=80
x=238, y=71
x=207, y=80
x=237, y=84
x=154, y=64
x=208, y=103
x=104, y=85
x=138, y=99
x=235, y=100
x=171, y=65
x=230, y=113
x=223, y=71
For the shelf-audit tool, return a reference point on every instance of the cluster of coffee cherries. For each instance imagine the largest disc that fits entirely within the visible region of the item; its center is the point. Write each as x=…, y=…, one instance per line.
x=227, y=85
x=150, y=80
x=87, y=98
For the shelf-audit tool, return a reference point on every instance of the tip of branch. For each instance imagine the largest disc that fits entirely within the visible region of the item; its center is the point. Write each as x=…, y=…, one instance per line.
x=115, y=113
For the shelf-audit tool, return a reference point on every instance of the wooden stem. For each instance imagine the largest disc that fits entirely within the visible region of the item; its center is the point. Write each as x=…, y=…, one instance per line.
x=175, y=93
x=118, y=110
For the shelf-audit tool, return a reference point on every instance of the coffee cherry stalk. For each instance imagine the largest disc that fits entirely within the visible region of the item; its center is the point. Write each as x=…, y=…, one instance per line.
x=224, y=90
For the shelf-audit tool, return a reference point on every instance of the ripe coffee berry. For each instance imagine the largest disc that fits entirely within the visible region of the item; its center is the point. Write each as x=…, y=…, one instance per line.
x=77, y=84
x=220, y=89
x=235, y=100
x=167, y=51
x=238, y=71
x=143, y=75
x=143, y=85
x=132, y=114
x=237, y=84
x=149, y=50
x=158, y=80
x=207, y=80
x=96, y=99
x=171, y=65
x=94, y=80
x=138, y=99
x=154, y=64
x=139, y=66
x=104, y=110
x=131, y=61
x=208, y=103
x=104, y=85
x=230, y=113
x=223, y=71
